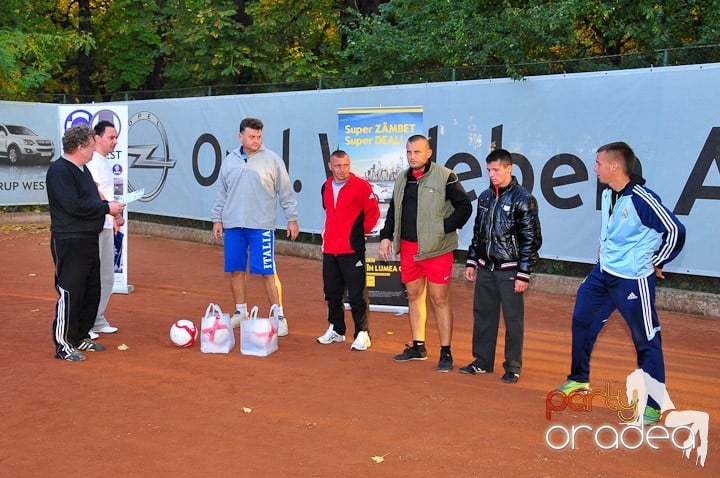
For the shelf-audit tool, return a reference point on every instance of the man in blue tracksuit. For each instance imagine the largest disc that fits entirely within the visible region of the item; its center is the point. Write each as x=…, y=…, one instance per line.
x=638, y=237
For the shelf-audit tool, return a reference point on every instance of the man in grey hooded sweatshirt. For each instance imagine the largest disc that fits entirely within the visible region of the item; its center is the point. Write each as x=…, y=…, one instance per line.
x=252, y=180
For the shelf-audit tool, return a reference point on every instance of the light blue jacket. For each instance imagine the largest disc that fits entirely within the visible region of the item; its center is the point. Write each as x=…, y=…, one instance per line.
x=248, y=190
x=638, y=234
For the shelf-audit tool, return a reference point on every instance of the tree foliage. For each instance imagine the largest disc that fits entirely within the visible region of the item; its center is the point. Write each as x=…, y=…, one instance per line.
x=406, y=35
x=204, y=44
x=100, y=47
x=294, y=39
x=33, y=52
x=129, y=36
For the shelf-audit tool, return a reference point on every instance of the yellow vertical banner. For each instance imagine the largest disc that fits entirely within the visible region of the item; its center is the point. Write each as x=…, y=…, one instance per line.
x=375, y=138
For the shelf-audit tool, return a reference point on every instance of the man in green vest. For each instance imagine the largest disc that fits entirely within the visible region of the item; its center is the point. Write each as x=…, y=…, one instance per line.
x=428, y=206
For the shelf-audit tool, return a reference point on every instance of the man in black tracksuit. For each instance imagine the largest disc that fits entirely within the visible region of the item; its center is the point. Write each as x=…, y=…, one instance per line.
x=77, y=215
x=501, y=256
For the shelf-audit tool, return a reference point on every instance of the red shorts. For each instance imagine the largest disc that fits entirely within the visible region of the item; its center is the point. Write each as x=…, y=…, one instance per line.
x=438, y=270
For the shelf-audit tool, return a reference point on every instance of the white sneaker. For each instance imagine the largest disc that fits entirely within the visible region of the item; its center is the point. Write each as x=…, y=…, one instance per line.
x=108, y=329
x=282, y=326
x=93, y=335
x=330, y=336
x=361, y=342
x=237, y=318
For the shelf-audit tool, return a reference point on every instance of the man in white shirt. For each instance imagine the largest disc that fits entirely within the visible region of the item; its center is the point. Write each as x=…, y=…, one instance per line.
x=106, y=138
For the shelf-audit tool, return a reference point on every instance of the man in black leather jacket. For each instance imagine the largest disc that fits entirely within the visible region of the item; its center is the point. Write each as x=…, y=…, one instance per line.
x=501, y=256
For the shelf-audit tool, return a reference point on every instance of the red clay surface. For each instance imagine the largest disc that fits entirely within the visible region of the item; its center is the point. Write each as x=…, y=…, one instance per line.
x=157, y=410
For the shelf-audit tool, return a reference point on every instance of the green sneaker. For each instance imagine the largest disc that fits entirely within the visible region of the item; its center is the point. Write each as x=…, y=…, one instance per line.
x=572, y=386
x=651, y=415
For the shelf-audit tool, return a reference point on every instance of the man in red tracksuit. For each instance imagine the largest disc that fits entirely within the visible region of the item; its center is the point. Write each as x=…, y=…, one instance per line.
x=351, y=211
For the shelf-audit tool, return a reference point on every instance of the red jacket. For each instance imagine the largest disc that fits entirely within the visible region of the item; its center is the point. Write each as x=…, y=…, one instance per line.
x=354, y=216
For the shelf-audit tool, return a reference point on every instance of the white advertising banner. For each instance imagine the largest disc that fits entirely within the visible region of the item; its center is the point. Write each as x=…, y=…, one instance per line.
x=28, y=143
x=73, y=115
x=552, y=124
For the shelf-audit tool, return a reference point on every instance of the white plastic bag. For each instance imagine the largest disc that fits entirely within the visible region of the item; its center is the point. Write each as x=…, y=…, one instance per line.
x=259, y=336
x=216, y=332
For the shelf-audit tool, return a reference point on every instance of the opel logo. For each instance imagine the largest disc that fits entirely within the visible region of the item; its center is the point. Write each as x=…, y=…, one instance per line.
x=150, y=155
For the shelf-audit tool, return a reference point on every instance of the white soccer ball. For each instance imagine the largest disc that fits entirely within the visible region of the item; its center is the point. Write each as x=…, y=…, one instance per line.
x=262, y=333
x=218, y=333
x=221, y=336
x=183, y=333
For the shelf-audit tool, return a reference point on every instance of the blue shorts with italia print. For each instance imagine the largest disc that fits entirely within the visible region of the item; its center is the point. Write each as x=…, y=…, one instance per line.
x=249, y=248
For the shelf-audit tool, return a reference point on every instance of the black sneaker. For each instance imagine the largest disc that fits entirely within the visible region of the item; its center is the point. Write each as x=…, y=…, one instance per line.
x=472, y=369
x=88, y=345
x=73, y=356
x=411, y=353
x=445, y=364
x=510, y=377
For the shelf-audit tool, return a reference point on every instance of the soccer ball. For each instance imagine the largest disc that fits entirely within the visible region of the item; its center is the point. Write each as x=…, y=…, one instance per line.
x=183, y=333
x=263, y=332
x=218, y=333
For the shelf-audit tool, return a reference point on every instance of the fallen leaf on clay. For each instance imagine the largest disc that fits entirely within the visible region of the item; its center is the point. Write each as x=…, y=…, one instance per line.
x=246, y=409
x=379, y=459
x=390, y=332
x=123, y=347
x=31, y=275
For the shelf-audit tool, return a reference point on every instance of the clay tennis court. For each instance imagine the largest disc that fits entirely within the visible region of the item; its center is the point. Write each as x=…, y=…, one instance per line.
x=316, y=411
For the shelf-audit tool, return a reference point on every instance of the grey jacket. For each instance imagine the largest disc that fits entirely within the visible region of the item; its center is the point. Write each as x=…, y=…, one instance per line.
x=247, y=192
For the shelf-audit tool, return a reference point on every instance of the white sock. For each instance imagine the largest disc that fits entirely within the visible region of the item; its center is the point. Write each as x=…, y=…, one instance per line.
x=242, y=308
x=279, y=310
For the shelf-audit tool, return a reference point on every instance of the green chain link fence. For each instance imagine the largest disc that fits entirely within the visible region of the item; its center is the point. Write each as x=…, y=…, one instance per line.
x=669, y=57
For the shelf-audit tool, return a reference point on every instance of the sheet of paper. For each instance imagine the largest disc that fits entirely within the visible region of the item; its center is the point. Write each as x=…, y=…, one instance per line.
x=133, y=196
